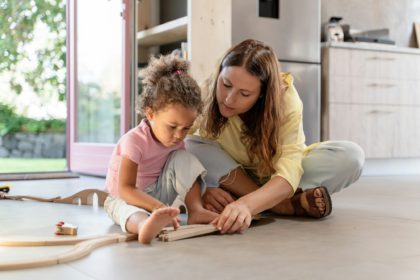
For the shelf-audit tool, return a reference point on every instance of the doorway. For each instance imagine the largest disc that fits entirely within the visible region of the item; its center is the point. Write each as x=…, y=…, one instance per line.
x=33, y=115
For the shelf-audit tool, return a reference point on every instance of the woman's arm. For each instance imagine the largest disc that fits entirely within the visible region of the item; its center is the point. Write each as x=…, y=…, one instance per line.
x=127, y=187
x=270, y=194
x=237, y=215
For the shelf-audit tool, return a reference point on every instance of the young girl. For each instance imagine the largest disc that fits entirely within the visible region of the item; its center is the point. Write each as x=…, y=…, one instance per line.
x=149, y=167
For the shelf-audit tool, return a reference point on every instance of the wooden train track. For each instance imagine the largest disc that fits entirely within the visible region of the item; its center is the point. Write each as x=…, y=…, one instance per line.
x=83, y=246
x=84, y=197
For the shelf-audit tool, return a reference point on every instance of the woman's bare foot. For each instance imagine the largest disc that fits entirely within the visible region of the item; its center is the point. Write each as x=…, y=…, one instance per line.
x=154, y=224
x=286, y=206
x=203, y=216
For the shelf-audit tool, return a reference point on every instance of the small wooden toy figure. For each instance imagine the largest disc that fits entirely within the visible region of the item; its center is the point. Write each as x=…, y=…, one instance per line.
x=65, y=229
x=4, y=188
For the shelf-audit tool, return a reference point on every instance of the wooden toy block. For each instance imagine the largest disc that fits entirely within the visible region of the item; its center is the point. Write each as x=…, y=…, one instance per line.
x=65, y=229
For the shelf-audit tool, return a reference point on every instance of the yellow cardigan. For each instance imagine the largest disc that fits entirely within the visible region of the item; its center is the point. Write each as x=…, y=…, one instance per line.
x=287, y=163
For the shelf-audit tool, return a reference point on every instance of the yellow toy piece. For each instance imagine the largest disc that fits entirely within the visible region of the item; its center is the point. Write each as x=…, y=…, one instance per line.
x=4, y=188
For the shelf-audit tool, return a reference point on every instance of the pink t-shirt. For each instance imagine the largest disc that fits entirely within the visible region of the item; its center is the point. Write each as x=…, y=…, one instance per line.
x=139, y=146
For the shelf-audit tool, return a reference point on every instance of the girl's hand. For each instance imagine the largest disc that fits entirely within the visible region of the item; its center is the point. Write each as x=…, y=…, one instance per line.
x=216, y=199
x=236, y=217
x=175, y=222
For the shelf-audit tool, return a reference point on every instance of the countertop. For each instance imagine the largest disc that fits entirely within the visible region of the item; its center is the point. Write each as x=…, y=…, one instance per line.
x=370, y=47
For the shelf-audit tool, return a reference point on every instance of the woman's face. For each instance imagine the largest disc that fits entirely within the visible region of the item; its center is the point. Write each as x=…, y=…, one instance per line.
x=237, y=91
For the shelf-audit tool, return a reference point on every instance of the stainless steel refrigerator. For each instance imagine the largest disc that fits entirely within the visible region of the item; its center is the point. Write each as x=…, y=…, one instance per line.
x=292, y=28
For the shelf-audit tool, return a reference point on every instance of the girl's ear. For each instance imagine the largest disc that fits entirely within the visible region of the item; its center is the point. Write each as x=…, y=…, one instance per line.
x=149, y=113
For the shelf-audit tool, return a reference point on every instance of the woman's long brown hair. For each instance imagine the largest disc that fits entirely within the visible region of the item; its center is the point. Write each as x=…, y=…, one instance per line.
x=262, y=123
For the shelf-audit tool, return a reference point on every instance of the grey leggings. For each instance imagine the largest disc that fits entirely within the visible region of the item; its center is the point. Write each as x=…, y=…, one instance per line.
x=332, y=164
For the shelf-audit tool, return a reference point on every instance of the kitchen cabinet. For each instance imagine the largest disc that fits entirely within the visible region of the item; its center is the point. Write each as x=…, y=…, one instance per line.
x=371, y=95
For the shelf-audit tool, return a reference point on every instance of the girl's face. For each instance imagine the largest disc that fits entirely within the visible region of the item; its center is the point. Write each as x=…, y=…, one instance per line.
x=170, y=125
x=237, y=91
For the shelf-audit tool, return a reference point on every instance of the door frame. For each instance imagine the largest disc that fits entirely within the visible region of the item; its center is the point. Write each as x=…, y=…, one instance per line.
x=93, y=158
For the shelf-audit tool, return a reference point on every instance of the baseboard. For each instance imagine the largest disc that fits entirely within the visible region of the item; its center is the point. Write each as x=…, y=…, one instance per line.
x=37, y=176
x=400, y=166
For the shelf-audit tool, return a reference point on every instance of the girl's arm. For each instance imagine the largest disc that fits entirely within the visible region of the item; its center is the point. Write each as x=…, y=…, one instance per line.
x=127, y=187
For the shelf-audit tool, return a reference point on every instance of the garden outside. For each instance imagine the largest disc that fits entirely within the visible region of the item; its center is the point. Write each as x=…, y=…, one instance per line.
x=20, y=165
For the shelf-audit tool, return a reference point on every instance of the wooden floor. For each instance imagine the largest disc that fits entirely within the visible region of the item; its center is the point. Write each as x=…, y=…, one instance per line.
x=372, y=233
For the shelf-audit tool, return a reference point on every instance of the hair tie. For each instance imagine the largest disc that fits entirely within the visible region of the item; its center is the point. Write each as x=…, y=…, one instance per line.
x=178, y=72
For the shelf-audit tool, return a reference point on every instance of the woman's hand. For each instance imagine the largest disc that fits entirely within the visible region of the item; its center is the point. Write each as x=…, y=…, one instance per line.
x=236, y=217
x=216, y=199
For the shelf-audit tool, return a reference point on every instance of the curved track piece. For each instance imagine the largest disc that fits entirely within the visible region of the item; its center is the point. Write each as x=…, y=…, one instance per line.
x=82, y=248
x=4, y=195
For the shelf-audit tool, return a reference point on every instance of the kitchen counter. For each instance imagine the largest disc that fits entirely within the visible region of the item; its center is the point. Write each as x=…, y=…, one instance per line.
x=371, y=96
x=371, y=47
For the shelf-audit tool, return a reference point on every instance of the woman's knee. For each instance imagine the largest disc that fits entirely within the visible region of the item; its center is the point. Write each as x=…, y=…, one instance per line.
x=335, y=155
x=351, y=156
x=347, y=164
x=334, y=164
x=182, y=158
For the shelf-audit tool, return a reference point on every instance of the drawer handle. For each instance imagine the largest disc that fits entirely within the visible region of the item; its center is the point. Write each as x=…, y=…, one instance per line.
x=383, y=58
x=380, y=112
x=381, y=85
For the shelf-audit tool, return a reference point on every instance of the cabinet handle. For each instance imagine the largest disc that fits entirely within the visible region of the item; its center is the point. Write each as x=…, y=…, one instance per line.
x=381, y=85
x=380, y=112
x=382, y=58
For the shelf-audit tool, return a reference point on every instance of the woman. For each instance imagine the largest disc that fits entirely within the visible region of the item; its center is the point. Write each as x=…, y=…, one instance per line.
x=252, y=144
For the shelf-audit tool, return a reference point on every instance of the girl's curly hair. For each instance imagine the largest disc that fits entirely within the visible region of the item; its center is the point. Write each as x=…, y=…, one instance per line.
x=166, y=81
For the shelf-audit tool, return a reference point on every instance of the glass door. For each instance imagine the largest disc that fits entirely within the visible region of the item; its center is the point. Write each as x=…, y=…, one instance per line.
x=32, y=89
x=99, y=80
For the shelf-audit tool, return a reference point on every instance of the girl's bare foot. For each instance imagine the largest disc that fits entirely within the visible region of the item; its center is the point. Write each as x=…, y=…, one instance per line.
x=154, y=224
x=203, y=216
